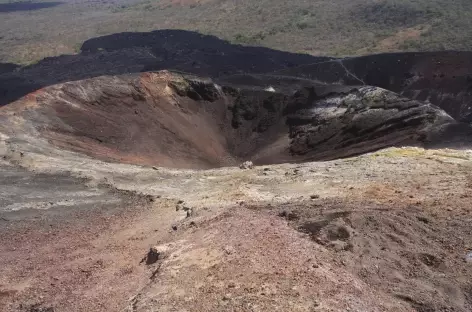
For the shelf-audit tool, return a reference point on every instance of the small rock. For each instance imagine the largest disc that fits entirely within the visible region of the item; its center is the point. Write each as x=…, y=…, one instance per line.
x=188, y=210
x=174, y=227
x=290, y=216
x=180, y=205
x=314, y=196
x=229, y=250
x=36, y=308
x=423, y=219
x=189, y=213
x=227, y=297
x=246, y=165
x=155, y=168
x=468, y=258
x=150, y=198
x=153, y=255
x=283, y=214
x=449, y=208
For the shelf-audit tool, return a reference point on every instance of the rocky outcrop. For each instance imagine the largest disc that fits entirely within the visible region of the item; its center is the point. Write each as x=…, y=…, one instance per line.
x=441, y=78
x=366, y=118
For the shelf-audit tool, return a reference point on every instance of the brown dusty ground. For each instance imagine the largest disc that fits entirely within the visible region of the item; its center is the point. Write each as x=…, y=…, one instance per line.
x=387, y=231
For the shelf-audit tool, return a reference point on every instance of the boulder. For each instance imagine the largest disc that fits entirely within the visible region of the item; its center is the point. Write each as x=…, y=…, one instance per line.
x=246, y=165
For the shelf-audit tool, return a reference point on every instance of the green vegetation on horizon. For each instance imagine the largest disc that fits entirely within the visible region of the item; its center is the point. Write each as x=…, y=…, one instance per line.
x=319, y=27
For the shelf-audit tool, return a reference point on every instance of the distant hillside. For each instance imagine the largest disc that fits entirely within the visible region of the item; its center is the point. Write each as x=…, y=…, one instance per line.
x=34, y=30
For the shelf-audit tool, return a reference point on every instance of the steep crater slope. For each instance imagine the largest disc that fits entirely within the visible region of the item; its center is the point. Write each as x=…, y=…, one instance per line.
x=167, y=119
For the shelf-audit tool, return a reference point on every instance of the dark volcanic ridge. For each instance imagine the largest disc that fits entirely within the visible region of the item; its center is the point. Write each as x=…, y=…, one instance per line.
x=175, y=120
x=443, y=78
x=126, y=53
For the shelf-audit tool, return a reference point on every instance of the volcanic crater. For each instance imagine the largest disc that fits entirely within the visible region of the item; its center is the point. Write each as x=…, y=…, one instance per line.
x=201, y=102
x=183, y=121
